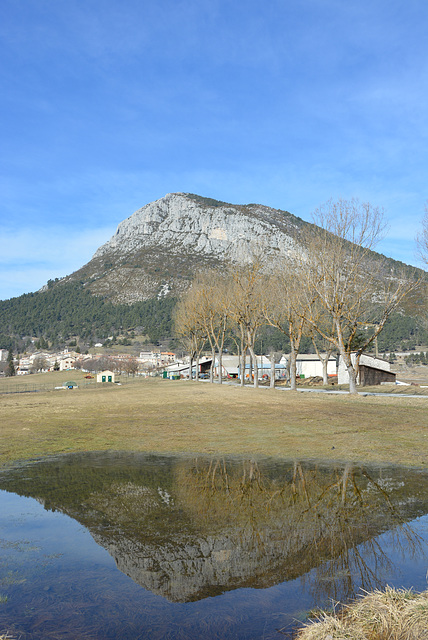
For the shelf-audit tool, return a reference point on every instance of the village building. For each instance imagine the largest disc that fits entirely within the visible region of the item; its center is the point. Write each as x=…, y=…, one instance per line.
x=371, y=371
x=308, y=365
x=67, y=363
x=264, y=368
x=106, y=376
x=230, y=366
x=157, y=358
x=25, y=362
x=182, y=368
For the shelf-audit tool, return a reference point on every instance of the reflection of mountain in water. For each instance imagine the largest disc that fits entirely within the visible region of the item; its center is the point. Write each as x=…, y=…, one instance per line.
x=191, y=528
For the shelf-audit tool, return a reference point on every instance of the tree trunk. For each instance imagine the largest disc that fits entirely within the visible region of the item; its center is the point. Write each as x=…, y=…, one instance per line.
x=256, y=367
x=352, y=373
x=197, y=368
x=212, y=366
x=242, y=368
x=220, y=345
x=190, y=366
x=346, y=356
x=220, y=367
x=324, y=370
x=272, y=371
x=352, y=380
x=293, y=369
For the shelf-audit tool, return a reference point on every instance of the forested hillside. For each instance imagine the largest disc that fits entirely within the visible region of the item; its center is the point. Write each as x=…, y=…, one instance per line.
x=401, y=333
x=69, y=309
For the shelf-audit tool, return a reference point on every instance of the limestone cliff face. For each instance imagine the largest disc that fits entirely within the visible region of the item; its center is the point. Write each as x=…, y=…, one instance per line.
x=158, y=249
x=187, y=223
x=192, y=568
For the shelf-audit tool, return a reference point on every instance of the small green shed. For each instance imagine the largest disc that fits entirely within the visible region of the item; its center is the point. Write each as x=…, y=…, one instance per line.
x=70, y=384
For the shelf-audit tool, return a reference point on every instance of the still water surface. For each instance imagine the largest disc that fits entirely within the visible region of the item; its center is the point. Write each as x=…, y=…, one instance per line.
x=128, y=546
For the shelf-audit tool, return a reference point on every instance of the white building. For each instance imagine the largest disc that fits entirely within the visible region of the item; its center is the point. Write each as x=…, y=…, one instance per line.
x=310, y=366
x=105, y=376
x=157, y=358
x=67, y=363
x=230, y=366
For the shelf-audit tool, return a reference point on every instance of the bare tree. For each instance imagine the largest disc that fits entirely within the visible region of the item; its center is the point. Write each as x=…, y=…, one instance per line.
x=130, y=366
x=115, y=364
x=189, y=326
x=285, y=307
x=245, y=303
x=354, y=286
x=323, y=355
x=211, y=289
x=40, y=363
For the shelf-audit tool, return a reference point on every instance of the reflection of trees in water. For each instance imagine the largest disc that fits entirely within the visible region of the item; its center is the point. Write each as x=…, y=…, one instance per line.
x=358, y=510
x=188, y=528
x=328, y=520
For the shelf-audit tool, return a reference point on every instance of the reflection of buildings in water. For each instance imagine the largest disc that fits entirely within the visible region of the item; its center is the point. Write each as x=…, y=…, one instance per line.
x=197, y=528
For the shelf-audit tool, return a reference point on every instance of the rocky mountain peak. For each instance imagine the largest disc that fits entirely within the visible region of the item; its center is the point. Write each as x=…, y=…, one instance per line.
x=160, y=247
x=186, y=222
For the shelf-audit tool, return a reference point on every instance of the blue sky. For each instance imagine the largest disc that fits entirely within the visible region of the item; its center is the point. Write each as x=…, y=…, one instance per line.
x=106, y=105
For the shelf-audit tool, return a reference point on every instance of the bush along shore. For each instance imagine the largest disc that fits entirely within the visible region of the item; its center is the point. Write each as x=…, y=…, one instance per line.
x=393, y=614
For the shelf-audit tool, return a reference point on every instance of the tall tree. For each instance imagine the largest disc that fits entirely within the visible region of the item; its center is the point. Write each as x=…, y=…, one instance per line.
x=189, y=326
x=40, y=363
x=245, y=303
x=355, y=288
x=10, y=367
x=285, y=307
x=212, y=292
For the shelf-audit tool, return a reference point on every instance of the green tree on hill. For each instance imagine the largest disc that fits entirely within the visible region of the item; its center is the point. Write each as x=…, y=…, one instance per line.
x=10, y=368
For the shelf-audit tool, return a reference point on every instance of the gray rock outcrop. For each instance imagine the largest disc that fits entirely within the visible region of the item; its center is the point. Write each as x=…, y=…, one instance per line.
x=160, y=247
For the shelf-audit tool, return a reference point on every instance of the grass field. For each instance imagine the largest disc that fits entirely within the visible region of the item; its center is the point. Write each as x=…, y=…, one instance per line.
x=181, y=416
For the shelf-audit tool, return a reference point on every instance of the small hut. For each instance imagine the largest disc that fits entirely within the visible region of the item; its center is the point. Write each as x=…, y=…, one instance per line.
x=70, y=384
x=105, y=376
x=372, y=370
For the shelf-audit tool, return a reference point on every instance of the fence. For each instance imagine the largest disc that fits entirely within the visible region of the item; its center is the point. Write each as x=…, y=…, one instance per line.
x=13, y=387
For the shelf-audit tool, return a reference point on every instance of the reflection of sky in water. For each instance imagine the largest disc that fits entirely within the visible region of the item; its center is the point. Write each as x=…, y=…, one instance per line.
x=71, y=581
x=57, y=579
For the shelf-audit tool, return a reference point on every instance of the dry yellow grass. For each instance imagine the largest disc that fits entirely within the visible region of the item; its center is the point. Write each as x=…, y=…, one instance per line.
x=393, y=614
x=177, y=416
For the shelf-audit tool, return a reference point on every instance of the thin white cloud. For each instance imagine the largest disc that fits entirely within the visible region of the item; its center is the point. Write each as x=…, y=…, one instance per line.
x=31, y=257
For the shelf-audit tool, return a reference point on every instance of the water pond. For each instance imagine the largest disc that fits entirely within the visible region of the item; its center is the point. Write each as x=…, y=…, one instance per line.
x=128, y=546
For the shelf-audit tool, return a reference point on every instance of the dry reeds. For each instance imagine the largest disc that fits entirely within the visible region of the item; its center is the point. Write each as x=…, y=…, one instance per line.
x=392, y=614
